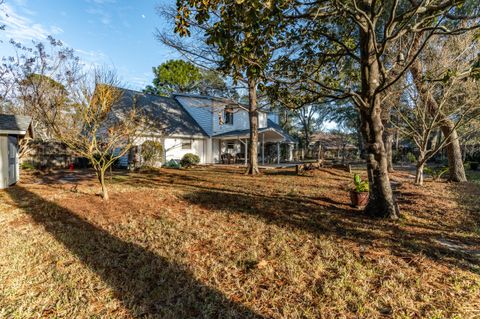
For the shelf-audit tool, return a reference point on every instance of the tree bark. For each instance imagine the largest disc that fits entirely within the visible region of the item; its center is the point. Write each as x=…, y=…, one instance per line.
x=381, y=202
x=456, y=171
x=419, y=174
x=388, y=134
x=361, y=144
x=252, y=168
x=307, y=138
x=101, y=179
x=388, y=140
x=420, y=167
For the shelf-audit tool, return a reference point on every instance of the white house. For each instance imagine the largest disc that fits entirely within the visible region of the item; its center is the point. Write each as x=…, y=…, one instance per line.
x=12, y=129
x=213, y=128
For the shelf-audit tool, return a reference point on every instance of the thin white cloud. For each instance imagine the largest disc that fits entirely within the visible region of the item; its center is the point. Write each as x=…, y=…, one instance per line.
x=21, y=28
x=104, y=16
x=143, y=16
x=92, y=58
x=24, y=7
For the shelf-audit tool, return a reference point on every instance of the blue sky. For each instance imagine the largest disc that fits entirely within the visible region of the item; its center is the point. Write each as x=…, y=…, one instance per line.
x=118, y=34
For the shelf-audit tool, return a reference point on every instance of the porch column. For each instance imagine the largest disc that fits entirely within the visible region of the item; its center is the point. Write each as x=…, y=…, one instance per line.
x=140, y=157
x=263, y=149
x=246, y=151
x=220, y=151
x=290, y=152
x=278, y=152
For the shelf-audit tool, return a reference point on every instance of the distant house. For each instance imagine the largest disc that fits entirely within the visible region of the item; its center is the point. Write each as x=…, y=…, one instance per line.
x=13, y=128
x=332, y=145
x=215, y=129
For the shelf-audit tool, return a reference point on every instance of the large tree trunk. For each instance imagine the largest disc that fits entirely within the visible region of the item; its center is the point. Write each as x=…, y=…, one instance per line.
x=388, y=127
x=388, y=140
x=381, y=202
x=307, y=138
x=252, y=167
x=361, y=144
x=456, y=171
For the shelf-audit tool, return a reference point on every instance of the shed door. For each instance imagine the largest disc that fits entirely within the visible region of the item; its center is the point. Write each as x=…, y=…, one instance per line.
x=12, y=160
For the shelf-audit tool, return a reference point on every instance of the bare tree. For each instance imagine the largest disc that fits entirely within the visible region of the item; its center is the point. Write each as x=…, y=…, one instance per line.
x=446, y=95
x=38, y=80
x=418, y=70
x=92, y=127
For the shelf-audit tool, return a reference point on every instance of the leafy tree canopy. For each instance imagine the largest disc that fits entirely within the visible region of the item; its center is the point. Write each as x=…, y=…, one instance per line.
x=173, y=76
x=179, y=76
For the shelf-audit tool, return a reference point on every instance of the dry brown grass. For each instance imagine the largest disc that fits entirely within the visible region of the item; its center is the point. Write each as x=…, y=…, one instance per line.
x=213, y=243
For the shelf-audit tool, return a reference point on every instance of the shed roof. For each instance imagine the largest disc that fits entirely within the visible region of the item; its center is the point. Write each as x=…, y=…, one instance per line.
x=164, y=114
x=14, y=124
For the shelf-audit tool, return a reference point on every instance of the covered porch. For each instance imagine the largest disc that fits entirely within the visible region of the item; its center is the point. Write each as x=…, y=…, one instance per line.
x=273, y=147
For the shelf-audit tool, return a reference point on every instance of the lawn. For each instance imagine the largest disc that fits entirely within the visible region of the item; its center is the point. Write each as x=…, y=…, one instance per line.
x=213, y=243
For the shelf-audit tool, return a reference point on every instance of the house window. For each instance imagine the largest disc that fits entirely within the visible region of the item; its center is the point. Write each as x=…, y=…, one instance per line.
x=230, y=146
x=228, y=115
x=186, y=145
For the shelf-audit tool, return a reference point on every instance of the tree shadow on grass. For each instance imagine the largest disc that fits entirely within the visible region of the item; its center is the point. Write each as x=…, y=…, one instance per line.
x=327, y=217
x=148, y=285
x=324, y=215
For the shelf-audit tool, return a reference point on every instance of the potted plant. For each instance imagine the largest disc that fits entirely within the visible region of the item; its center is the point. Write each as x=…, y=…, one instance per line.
x=359, y=195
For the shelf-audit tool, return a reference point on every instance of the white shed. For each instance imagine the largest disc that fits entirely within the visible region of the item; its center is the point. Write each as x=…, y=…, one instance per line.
x=13, y=128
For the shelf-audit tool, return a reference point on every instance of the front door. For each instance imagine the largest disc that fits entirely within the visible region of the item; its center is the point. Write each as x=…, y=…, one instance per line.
x=12, y=159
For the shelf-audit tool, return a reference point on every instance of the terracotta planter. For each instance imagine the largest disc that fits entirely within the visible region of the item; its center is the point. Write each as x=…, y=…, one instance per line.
x=359, y=199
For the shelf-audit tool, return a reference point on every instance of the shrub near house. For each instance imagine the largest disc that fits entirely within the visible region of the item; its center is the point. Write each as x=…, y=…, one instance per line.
x=189, y=160
x=152, y=153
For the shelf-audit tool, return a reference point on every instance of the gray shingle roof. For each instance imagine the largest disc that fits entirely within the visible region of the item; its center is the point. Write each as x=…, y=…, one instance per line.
x=17, y=123
x=270, y=126
x=164, y=114
x=213, y=98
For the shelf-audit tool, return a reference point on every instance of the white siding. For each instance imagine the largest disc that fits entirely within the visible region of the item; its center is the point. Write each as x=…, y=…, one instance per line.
x=3, y=161
x=262, y=119
x=208, y=112
x=208, y=151
x=174, y=150
x=240, y=120
x=215, y=151
x=4, y=164
x=200, y=109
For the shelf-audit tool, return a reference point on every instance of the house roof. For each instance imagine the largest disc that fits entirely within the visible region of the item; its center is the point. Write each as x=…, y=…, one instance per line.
x=164, y=114
x=213, y=98
x=14, y=124
x=271, y=126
